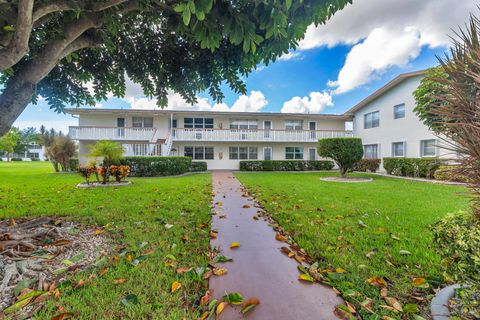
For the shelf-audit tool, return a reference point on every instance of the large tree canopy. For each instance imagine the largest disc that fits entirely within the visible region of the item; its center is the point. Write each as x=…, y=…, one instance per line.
x=53, y=48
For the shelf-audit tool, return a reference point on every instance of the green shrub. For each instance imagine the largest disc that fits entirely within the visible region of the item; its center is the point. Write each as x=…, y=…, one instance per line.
x=286, y=165
x=412, y=167
x=344, y=151
x=156, y=166
x=450, y=173
x=34, y=159
x=16, y=159
x=365, y=165
x=73, y=165
x=198, y=166
x=458, y=239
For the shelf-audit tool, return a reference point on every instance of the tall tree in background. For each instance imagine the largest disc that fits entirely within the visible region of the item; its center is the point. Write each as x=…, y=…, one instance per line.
x=53, y=48
x=27, y=137
x=9, y=140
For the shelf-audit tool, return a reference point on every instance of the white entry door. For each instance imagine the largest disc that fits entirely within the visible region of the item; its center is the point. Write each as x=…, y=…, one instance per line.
x=312, y=152
x=267, y=153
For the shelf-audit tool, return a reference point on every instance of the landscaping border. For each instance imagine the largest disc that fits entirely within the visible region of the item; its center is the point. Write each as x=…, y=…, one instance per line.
x=83, y=185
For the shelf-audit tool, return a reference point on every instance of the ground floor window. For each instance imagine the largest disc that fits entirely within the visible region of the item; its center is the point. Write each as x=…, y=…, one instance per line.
x=294, y=153
x=428, y=148
x=398, y=149
x=243, y=153
x=370, y=151
x=199, y=152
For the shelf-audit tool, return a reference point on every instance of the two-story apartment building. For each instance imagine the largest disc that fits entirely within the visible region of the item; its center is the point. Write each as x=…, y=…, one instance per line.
x=388, y=125
x=385, y=121
x=222, y=139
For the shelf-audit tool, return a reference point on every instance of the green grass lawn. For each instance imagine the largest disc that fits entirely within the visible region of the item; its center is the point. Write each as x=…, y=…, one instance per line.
x=133, y=214
x=371, y=229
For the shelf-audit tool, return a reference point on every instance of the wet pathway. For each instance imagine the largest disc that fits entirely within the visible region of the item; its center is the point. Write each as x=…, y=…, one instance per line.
x=259, y=269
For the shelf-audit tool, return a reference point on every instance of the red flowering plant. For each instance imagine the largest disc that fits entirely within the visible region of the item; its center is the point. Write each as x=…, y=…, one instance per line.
x=119, y=172
x=86, y=172
x=103, y=173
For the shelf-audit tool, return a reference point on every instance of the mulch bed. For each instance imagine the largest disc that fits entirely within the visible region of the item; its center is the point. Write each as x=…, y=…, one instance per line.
x=36, y=254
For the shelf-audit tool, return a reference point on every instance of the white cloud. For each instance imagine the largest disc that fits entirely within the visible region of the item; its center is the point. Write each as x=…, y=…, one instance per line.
x=246, y=103
x=386, y=34
x=315, y=103
x=293, y=55
x=381, y=50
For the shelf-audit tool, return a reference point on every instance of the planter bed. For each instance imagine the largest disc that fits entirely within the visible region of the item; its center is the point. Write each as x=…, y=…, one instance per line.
x=84, y=185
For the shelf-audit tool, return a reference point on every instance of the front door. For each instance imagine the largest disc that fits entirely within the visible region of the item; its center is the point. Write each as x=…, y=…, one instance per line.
x=267, y=126
x=311, y=153
x=121, y=127
x=312, y=126
x=267, y=153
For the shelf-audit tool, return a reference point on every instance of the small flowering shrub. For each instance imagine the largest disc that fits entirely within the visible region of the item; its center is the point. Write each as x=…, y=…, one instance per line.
x=119, y=172
x=86, y=172
x=102, y=172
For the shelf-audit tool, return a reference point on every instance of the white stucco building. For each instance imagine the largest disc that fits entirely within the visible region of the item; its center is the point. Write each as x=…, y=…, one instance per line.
x=385, y=121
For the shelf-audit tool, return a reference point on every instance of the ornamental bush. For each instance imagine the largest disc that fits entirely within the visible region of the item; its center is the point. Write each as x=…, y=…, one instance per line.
x=452, y=173
x=365, y=165
x=286, y=165
x=198, y=166
x=86, y=172
x=344, y=151
x=156, y=166
x=119, y=172
x=412, y=167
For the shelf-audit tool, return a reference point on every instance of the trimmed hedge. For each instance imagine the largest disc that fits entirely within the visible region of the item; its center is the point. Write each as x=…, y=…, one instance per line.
x=412, y=167
x=286, y=165
x=156, y=166
x=450, y=173
x=16, y=159
x=34, y=159
x=365, y=165
x=198, y=166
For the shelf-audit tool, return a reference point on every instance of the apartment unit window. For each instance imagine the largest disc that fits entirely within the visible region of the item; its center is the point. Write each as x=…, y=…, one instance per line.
x=198, y=123
x=243, y=153
x=399, y=111
x=199, y=152
x=294, y=153
x=35, y=155
x=142, y=122
x=398, y=149
x=293, y=124
x=372, y=120
x=244, y=124
x=428, y=148
x=370, y=151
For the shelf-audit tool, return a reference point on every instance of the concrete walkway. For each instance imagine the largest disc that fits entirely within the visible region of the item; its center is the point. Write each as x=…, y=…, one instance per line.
x=258, y=268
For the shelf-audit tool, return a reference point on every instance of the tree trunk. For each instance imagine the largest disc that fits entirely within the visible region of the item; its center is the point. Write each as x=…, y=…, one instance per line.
x=15, y=97
x=343, y=172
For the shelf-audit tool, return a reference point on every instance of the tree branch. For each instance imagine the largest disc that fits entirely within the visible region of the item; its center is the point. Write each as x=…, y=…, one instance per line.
x=18, y=45
x=81, y=42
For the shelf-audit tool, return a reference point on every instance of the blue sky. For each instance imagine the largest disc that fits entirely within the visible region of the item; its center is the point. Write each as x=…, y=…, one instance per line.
x=336, y=65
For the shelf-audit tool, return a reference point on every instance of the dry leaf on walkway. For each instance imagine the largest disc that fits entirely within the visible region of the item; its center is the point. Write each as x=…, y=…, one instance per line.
x=279, y=237
x=249, y=305
x=245, y=206
x=175, y=286
x=213, y=234
x=220, y=271
x=220, y=307
x=234, y=245
x=306, y=277
x=219, y=203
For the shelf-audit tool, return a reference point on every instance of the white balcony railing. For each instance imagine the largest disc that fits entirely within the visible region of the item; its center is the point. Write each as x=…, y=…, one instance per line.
x=256, y=135
x=142, y=149
x=112, y=133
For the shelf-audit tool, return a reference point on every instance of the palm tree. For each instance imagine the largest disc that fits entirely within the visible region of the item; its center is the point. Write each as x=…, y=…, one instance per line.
x=108, y=150
x=60, y=151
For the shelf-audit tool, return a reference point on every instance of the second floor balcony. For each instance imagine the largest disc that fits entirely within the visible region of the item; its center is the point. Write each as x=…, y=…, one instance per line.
x=112, y=133
x=256, y=135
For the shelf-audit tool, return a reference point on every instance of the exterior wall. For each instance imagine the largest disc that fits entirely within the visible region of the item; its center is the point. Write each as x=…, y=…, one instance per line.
x=221, y=152
x=409, y=129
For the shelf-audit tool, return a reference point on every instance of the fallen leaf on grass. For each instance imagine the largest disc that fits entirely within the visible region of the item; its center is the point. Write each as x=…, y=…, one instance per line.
x=420, y=283
x=234, y=245
x=130, y=300
x=377, y=282
x=23, y=301
x=220, y=307
x=205, y=299
x=411, y=308
x=306, y=277
x=120, y=281
x=342, y=312
x=182, y=270
x=63, y=316
x=204, y=315
x=384, y=292
x=250, y=304
x=340, y=270
x=404, y=252
x=394, y=303
x=175, y=286
x=367, y=304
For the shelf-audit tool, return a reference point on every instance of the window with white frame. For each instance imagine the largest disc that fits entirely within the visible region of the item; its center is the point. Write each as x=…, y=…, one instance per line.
x=428, y=148
x=243, y=153
x=244, y=124
x=371, y=120
x=293, y=124
x=398, y=149
x=294, y=153
x=399, y=111
x=370, y=151
x=198, y=152
x=142, y=122
x=198, y=123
